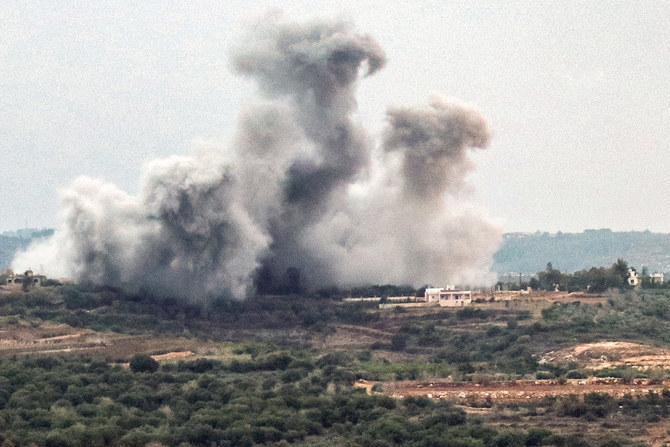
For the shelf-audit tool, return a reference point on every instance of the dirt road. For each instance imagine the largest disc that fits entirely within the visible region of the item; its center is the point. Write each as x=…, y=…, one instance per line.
x=524, y=390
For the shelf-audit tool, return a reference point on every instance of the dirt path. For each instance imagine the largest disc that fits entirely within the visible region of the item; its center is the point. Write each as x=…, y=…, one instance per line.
x=348, y=336
x=523, y=390
x=172, y=356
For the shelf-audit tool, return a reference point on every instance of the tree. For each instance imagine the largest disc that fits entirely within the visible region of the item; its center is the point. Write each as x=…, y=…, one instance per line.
x=143, y=363
x=27, y=281
x=595, y=280
x=620, y=268
x=534, y=283
x=398, y=342
x=549, y=278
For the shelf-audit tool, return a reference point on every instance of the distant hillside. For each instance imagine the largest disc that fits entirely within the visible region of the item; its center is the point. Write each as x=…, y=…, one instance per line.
x=12, y=241
x=569, y=252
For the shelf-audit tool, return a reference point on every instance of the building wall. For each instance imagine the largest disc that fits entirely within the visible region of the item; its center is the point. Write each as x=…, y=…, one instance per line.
x=455, y=303
x=656, y=278
x=448, y=296
x=17, y=280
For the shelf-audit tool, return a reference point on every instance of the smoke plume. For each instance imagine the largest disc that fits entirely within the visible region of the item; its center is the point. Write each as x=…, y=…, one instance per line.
x=301, y=198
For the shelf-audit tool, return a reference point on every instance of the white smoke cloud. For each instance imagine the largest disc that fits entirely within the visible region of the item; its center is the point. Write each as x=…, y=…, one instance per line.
x=301, y=189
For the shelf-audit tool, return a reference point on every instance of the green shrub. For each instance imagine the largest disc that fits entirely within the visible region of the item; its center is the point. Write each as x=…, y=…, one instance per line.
x=398, y=342
x=544, y=375
x=508, y=439
x=575, y=374
x=537, y=437
x=143, y=363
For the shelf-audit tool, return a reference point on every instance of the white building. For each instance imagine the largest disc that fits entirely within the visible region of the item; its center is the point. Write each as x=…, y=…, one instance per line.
x=656, y=278
x=633, y=279
x=447, y=296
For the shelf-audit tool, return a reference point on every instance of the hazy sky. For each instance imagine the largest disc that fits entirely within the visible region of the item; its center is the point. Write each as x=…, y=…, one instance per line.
x=577, y=95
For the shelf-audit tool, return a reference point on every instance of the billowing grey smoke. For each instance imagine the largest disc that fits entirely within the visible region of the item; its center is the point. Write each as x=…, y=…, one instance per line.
x=314, y=67
x=301, y=198
x=411, y=224
x=433, y=141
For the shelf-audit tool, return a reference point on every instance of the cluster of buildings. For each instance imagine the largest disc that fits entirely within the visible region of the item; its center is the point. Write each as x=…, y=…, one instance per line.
x=634, y=280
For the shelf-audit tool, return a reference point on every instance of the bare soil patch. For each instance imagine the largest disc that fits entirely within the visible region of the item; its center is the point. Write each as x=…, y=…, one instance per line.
x=172, y=356
x=348, y=336
x=609, y=354
x=523, y=390
x=658, y=435
x=51, y=338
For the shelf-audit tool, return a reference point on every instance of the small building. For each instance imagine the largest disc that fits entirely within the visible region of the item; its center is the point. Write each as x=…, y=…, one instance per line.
x=447, y=296
x=656, y=278
x=24, y=281
x=633, y=279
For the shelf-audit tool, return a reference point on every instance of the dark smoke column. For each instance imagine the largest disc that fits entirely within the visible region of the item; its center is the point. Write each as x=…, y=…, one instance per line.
x=314, y=68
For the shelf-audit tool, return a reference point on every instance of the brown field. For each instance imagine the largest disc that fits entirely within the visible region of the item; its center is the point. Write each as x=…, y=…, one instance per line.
x=51, y=338
x=523, y=390
x=497, y=403
x=611, y=354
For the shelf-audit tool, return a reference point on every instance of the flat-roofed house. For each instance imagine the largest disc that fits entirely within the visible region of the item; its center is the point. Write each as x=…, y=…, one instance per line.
x=24, y=281
x=447, y=296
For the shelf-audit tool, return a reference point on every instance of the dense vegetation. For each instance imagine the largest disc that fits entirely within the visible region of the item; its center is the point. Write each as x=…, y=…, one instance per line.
x=277, y=396
x=266, y=377
x=271, y=397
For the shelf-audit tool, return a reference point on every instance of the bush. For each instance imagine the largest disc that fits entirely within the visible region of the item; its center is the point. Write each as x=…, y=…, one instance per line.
x=537, y=436
x=508, y=439
x=544, y=375
x=143, y=363
x=398, y=342
x=199, y=365
x=575, y=374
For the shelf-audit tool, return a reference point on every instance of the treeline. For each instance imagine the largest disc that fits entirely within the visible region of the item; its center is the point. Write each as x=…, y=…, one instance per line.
x=594, y=280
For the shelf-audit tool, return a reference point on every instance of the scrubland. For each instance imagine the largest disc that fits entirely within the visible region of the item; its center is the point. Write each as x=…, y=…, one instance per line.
x=282, y=370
